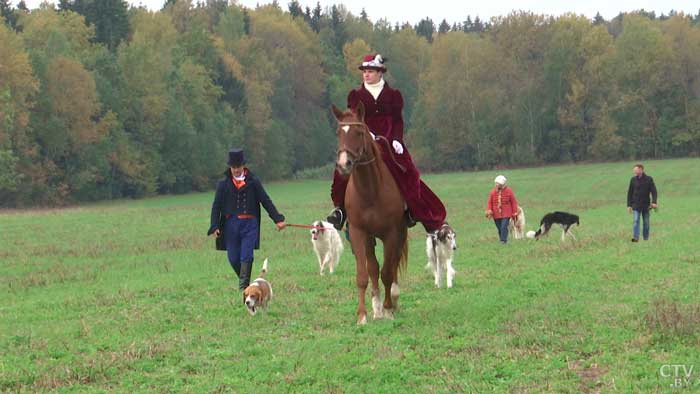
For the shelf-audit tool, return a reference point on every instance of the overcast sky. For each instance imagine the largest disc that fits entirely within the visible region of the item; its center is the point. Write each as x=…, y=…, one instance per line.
x=456, y=10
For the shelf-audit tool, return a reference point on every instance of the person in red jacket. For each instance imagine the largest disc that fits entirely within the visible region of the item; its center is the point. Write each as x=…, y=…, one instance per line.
x=501, y=206
x=383, y=115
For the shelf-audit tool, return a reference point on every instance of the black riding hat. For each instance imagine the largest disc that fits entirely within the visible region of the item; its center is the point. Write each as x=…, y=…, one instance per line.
x=236, y=158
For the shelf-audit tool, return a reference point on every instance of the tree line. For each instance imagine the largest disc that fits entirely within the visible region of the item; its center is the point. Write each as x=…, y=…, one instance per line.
x=99, y=100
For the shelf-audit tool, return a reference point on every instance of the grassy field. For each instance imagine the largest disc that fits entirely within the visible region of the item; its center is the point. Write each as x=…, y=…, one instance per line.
x=131, y=297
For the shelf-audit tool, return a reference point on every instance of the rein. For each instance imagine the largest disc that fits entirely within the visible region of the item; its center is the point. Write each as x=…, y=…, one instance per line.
x=377, y=138
x=391, y=152
x=364, y=145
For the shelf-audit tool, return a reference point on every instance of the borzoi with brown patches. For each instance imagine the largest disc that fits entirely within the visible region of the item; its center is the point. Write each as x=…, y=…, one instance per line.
x=440, y=248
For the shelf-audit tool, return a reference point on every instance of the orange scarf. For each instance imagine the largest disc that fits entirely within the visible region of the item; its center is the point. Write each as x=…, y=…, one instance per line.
x=239, y=183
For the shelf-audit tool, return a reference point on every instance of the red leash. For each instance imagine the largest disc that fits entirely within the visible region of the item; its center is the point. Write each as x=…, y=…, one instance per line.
x=308, y=227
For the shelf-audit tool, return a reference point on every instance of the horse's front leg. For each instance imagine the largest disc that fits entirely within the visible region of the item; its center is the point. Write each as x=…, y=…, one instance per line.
x=394, y=247
x=359, y=245
x=373, y=271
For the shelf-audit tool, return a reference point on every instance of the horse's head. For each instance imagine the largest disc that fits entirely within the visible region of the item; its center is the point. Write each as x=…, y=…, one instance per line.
x=354, y=141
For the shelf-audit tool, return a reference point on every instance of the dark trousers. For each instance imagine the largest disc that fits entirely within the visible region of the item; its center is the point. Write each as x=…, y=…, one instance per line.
x=637, y=215
x=502, y=226
x=241, y=236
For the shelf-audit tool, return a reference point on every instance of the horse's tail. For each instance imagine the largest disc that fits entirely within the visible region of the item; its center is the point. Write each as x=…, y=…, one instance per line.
x=403, y=259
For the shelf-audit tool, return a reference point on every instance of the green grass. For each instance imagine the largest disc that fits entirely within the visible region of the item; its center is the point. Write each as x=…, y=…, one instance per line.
x=131, y=297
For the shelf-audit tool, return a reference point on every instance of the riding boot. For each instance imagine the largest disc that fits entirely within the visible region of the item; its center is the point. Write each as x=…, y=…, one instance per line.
x=337, y=218
x=244, y=278
x=410, y=221
x=237, y=268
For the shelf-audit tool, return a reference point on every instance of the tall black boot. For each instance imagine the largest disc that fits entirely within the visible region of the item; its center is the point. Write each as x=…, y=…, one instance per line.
x=410, y=221
x=337, y=218
x=244, y=277
x=236, y=269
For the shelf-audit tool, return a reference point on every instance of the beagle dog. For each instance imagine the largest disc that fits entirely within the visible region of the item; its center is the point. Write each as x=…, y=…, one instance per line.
x=258, y=294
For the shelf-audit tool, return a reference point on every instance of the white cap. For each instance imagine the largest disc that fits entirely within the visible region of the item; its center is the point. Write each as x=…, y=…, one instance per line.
x=501, y=180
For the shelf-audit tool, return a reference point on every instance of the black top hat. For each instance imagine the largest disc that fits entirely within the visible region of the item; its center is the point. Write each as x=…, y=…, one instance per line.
x=236, y=158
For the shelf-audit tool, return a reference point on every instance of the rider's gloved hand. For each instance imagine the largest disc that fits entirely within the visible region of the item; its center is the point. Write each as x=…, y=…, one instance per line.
x=398, y=148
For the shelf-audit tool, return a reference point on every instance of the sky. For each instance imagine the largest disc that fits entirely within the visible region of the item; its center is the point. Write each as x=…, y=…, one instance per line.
x=456, y=10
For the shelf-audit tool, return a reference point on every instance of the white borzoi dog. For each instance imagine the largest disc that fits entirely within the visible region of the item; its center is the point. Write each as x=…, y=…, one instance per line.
x=327, y=244
x=564, y=219
x=440, y=248
x=516, y=227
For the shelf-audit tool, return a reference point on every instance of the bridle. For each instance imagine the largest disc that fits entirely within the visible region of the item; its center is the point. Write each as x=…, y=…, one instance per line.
x=362, y=153
x=344, y=148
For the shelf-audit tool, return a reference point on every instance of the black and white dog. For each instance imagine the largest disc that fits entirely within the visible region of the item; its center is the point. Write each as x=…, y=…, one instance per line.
x=564, y=219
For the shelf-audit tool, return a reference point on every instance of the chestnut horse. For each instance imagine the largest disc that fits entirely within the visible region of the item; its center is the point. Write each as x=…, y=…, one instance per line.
x=375, y=209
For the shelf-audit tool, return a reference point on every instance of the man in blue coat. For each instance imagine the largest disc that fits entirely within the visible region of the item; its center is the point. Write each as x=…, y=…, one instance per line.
x=236, y=208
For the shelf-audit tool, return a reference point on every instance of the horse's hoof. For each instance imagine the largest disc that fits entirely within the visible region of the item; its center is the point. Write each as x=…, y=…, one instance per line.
x=362, y=320
x=395, y=292
x=388, y=314
x=376, y=308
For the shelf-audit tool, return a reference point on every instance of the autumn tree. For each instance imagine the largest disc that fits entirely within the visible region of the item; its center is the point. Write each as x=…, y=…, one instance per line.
x=426, y=28
x=641, y=72
x=98, y=101
x=17, y=88
x=109, y=17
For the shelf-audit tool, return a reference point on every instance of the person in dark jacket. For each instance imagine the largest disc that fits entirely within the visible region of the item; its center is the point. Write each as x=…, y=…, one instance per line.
x=235, y=214
x=639, y=201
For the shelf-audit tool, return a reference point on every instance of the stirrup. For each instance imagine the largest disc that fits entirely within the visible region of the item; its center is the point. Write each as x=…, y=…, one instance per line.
x=337, y=218
x=410, y=221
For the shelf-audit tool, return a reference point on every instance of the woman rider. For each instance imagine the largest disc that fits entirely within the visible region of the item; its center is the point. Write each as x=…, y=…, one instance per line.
x=383, y=109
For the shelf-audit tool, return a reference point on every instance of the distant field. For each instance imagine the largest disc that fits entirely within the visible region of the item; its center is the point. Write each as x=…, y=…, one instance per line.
x=131, y=297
